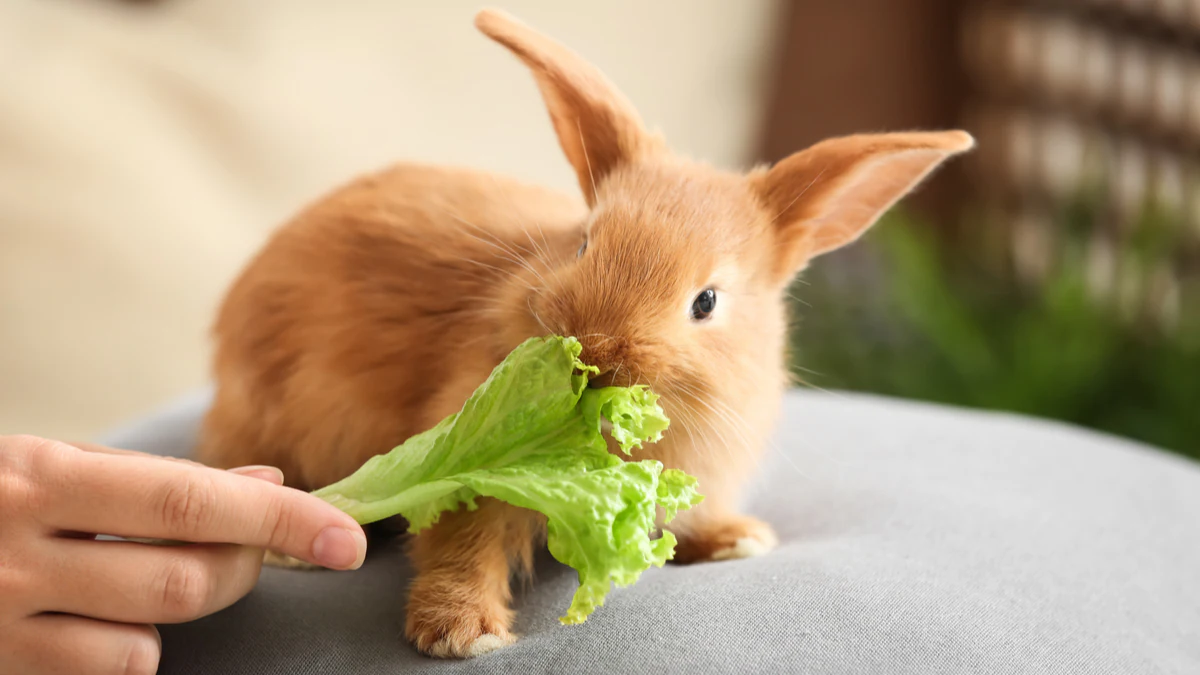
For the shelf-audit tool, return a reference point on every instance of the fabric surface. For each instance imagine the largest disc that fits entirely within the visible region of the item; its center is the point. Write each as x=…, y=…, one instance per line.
x=915, y=539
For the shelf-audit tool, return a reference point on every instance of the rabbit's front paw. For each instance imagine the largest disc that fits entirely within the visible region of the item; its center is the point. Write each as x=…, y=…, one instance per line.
x=728, y=538
x=457, y=630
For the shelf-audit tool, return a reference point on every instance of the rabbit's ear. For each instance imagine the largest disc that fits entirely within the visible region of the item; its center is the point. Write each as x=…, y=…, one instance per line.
x=825, y=197
x=596, y=125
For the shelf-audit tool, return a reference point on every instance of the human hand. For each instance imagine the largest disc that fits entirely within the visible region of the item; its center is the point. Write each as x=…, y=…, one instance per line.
x=71, y=604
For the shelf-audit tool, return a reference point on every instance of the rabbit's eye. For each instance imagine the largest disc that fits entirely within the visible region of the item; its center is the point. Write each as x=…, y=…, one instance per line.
x=704, y=304
x=582, y=248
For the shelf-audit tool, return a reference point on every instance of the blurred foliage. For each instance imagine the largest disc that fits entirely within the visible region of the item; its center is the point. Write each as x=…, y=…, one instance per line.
x=914, y=316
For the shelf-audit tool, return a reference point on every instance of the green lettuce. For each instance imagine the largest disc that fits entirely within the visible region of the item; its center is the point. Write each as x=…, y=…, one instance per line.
x=531, y=436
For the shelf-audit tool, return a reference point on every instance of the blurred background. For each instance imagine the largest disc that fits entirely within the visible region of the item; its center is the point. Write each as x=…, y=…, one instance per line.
x=148, y=147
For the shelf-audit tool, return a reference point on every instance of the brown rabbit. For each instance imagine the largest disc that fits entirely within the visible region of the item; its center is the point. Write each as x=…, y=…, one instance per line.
x=377, y=311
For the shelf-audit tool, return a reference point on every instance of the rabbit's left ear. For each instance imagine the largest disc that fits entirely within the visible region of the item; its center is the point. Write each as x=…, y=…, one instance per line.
x=825, y=197
x=597, y=126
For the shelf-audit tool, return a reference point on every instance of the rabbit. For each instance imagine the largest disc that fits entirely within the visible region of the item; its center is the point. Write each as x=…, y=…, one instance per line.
x=378, y=310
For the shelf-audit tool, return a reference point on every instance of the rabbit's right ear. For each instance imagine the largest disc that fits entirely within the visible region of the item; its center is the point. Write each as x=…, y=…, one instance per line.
x=597, y=126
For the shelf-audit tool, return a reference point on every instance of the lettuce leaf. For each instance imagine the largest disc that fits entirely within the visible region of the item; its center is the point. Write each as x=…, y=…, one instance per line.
x=531, y=436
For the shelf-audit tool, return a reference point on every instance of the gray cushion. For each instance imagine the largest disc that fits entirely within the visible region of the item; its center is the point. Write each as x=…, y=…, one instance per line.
x=915, y=539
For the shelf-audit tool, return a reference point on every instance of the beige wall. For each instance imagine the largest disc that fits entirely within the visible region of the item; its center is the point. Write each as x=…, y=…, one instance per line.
x=145, y=153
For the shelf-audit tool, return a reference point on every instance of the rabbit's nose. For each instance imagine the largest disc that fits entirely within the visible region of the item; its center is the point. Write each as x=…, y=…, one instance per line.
x=606, y=354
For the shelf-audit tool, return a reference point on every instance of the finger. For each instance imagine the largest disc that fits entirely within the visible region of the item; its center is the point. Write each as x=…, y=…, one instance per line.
x=105, y=450
x=90, y=492
x=61, y=644
x=96, y=447
x=268, y=473
x=136, y=583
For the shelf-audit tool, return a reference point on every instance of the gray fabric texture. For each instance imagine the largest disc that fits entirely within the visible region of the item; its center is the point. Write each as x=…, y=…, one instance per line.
x=915, y=539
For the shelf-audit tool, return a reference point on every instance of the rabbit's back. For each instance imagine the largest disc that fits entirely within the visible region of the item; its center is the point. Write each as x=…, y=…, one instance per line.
x=332, y=344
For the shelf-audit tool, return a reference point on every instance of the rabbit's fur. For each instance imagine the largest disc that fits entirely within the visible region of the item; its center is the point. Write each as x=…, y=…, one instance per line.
x=377, y=311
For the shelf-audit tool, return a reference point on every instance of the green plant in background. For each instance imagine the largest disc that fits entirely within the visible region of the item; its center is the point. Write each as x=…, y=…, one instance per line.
x=921, y=319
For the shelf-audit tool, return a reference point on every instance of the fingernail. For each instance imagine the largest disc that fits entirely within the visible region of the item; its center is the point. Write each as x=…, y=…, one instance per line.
x=339, y=548
x=267, y=473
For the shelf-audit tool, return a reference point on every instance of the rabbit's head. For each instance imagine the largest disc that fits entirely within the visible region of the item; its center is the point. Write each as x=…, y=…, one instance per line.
x=682, y=268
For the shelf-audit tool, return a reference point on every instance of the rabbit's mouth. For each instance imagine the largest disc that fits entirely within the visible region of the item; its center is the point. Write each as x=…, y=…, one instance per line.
x=602, y=380
x=618, y=377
